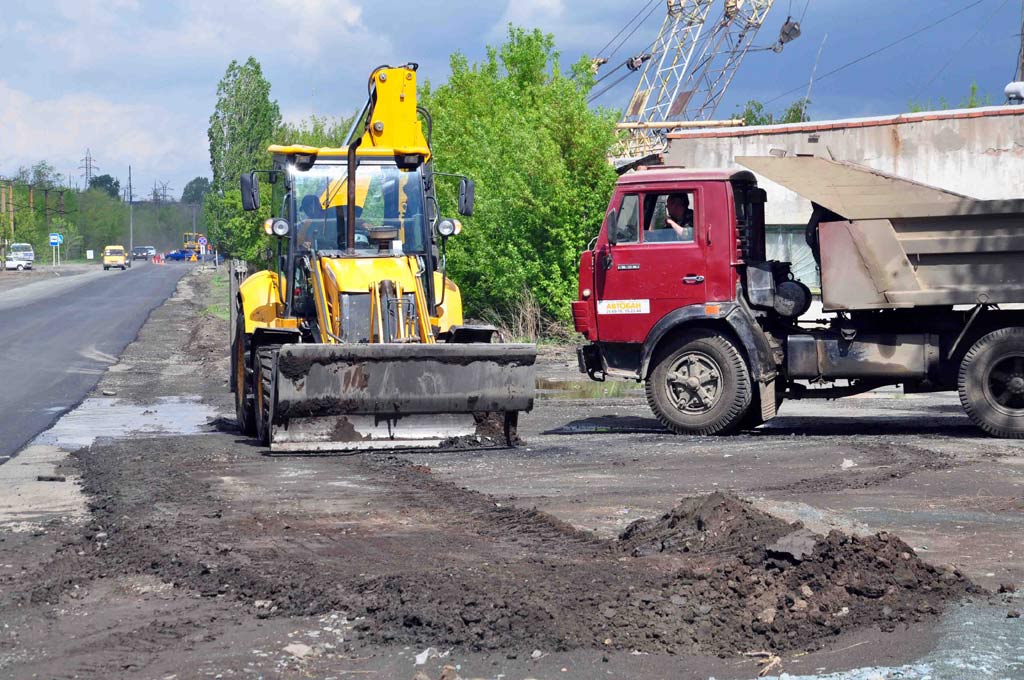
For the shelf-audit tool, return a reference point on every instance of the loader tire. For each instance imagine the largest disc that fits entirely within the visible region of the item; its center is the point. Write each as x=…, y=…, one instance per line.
x=700, y=385
x=265, y=392
x=242, y=376
x=991, y=383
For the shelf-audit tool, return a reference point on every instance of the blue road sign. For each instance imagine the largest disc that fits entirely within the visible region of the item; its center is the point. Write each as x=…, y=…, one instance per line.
x=202, y=240
x=56, y=239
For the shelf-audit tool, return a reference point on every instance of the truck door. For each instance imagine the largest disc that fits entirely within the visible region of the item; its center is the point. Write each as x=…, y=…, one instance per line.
x=656, y=265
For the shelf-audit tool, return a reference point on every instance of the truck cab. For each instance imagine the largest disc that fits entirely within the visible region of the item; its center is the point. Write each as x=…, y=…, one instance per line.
x=651, y=283
x=677, y=291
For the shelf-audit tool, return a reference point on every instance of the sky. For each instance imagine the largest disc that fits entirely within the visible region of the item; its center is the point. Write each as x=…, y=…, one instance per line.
x=134, y=81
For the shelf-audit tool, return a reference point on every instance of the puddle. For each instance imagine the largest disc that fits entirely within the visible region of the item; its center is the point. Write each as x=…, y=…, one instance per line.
x=587, y=389
x=610, y=424
x=973, y=641
x=111, y=417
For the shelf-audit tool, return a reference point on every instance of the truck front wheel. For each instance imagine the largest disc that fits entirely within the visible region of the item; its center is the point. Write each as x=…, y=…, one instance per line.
x=991, y=383
x=701, y=385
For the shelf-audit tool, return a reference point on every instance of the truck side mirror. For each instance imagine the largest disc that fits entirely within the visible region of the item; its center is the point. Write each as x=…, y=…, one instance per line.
x=612, y=224
x=250, y=191
x=467, y=196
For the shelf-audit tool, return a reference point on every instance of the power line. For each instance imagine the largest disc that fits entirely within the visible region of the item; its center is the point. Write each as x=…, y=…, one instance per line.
x=879, y=50
x=600, y=52
x=636, y=27
x=955, y=54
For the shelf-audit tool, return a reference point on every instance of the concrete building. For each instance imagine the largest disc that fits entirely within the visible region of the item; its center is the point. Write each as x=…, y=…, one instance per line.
x=975, y=152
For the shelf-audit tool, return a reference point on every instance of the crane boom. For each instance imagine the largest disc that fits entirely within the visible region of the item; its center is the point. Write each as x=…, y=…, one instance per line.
x=698, y=50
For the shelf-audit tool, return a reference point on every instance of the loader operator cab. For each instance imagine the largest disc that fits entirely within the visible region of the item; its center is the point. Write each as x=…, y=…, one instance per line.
x=388, y=210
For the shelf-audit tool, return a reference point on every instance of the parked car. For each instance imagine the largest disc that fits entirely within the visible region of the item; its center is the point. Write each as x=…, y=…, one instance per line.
x=178, y=255
x=141, y=253
x=151, y=251
x=115, y=256
x=18, y=265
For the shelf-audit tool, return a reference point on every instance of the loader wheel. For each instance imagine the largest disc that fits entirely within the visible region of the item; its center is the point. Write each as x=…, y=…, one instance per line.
x=701, y=385
x=244, y=412
x=991, y=383
x=265, y=392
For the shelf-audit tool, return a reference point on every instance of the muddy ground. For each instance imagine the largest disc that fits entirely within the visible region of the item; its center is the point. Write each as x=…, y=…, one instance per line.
x=840, y=535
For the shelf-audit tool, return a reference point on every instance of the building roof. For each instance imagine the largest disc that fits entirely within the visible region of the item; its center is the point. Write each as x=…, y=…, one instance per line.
x=848, y=123
x=676, y=174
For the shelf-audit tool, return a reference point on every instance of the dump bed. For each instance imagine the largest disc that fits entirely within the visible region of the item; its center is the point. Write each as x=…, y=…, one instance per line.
x=901, y=243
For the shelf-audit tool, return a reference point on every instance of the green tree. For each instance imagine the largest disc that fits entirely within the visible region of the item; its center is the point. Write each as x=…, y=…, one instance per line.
x=42, y=175
x=195, y=191
x=972, y=101
x=106, y=183
x=754, y=113
x=242, y=124
x=522, y=129
x=241, y=127
x=316, y=131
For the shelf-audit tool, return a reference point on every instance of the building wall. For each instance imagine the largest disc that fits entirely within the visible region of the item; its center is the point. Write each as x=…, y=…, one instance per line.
x=976, y=152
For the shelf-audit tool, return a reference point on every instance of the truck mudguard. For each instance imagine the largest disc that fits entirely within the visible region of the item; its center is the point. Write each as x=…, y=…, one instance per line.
x=738, y=318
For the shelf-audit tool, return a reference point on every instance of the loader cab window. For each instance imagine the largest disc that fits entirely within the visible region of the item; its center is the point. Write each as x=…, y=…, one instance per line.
x=669, y=217
x=385, y=197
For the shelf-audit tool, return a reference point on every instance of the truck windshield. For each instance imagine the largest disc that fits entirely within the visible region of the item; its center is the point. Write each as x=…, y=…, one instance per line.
x=386, y=196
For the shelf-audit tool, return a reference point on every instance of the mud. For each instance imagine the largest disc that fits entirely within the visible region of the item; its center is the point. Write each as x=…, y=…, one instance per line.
x=704, y=578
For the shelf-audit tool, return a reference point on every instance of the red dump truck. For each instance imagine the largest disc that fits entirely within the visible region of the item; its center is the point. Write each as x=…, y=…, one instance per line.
x=677, y=292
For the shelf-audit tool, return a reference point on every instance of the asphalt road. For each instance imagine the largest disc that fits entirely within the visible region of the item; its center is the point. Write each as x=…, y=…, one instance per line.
x=58, y=337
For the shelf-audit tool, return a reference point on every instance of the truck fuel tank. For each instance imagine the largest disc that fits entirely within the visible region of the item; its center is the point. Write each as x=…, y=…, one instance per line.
x=826, y=354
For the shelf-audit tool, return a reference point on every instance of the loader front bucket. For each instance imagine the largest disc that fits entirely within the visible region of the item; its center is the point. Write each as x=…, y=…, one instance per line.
x=341, y=397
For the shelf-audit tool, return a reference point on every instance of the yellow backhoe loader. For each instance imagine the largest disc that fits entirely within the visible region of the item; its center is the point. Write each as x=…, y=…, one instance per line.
x=357, y=340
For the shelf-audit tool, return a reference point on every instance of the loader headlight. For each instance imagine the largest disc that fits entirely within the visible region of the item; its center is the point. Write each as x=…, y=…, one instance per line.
x=276, y=227
x=448, y=228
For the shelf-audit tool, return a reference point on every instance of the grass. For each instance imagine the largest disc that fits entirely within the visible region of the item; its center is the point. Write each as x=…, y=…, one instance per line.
x=219, y=291
x=525, y=322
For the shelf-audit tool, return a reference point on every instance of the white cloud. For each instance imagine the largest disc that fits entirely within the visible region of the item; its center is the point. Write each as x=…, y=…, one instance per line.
x=94, y=34
x=157, y=143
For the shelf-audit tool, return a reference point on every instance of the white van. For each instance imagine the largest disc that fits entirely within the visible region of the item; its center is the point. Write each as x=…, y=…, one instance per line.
x=20, y=256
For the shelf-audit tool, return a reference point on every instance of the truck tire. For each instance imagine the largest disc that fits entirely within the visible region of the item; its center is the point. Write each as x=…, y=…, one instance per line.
x=264, y=392
x=242, y=375
x=700, y=385
x=991, y=383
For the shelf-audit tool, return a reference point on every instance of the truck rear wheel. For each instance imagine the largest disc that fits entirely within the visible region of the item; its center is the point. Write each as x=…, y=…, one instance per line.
x=700, y=386
x=991, y=383
x=244, y=411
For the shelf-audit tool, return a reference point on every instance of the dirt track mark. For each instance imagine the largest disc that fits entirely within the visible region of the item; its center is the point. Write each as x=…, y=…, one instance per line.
x=881, y=464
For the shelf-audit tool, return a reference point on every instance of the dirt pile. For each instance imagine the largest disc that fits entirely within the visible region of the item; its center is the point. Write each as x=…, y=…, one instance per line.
x=712, y=524
x=727, y=578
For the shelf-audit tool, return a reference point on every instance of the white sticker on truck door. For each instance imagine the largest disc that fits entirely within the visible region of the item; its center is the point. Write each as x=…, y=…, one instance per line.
x=624, y=307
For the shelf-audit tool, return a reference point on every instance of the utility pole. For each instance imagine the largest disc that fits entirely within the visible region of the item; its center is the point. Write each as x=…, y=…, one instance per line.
x=1020, y=54
x=10, y=207
x=46, y=207
x=131, y=214
x=3, y=241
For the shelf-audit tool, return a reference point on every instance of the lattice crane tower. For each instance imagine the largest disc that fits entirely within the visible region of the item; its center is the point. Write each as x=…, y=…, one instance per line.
x=691, y=63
